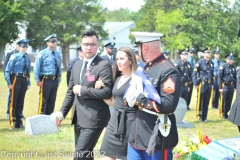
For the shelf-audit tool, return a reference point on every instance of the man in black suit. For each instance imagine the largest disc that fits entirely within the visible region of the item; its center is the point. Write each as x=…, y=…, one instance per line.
x=90, y=112
x=109, y=55
x=80, y=57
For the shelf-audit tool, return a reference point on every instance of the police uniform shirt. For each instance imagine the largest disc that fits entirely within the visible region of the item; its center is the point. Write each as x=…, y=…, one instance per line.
x=45, y=64
x=184, y=69
x=17, y=64
x=217, y=63
x=227, y=74
x=203, y=71
x=191, y=60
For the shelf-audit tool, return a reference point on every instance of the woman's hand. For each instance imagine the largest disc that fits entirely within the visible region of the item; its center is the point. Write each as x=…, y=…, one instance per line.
x=99, y=84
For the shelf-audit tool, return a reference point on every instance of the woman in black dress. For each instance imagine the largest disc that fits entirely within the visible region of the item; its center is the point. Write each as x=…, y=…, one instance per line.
x=234, y=115
x=114, y=144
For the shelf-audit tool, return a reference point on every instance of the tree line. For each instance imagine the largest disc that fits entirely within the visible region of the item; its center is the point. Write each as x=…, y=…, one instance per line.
x=184, y=23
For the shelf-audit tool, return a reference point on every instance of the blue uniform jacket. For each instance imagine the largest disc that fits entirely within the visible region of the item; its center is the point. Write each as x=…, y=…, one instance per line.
x=16, y=65
x=45, y=64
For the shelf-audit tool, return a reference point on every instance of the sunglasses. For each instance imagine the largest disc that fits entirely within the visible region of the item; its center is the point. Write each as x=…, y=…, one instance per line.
x=24, y=46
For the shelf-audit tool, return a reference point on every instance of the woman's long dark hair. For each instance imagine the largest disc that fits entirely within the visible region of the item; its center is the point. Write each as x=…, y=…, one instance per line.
x=131, y=56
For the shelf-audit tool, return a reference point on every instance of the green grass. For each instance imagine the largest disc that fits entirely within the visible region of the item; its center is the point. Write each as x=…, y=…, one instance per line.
x=61, y=145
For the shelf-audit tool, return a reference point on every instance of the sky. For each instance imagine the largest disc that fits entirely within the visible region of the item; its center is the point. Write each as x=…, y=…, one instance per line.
x=133, y=5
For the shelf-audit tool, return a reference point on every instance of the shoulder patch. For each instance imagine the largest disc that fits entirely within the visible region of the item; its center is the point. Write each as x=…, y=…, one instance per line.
x=39, y=56
x=169, y=86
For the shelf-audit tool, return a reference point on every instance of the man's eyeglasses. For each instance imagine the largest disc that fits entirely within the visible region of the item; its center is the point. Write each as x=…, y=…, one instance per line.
x=89, y=44
x=207, y=52
x=53, y=41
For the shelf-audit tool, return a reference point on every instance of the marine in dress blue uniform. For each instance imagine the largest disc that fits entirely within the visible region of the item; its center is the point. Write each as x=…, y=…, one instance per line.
x=69, y=70
x=191, y=60
x=227, y=84
x=203, y=81
x=184, y=68
x=47, y=74
x=18, y=81
x=109, y=55
x=217, y=63
x=167, y=81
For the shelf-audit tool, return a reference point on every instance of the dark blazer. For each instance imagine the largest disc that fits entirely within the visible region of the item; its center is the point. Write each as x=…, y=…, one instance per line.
x=69, y=70
x=107, y=59
x=89, y=111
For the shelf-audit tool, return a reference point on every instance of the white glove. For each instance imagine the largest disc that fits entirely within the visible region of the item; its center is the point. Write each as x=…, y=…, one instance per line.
x=134, y=90
x=57, y=116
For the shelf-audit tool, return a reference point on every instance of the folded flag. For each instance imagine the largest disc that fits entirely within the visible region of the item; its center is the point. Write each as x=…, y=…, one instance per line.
x=148, y=88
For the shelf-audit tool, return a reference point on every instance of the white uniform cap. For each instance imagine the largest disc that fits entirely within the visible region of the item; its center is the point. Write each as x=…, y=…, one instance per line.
x=143, y=37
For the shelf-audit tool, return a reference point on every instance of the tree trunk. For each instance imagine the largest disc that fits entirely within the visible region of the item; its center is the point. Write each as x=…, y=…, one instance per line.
x=65, y=56
x=2, y=55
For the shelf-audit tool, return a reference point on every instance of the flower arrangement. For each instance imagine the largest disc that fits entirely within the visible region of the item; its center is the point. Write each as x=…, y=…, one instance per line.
x=189, y=145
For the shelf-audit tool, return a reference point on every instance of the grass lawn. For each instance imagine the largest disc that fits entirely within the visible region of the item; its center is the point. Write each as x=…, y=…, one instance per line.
x=61, y=145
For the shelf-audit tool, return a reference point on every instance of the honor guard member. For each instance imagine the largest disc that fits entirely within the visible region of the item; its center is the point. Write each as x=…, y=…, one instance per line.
x=203, y=81
x=80, y=57
x=109, y=55
x=18, y=81
x=138, y=58
x=166, y=54
x=217, y=63
x=227, y=84
x=6, y=59
x=47, y=74
x=191, y=60
x=167, y=81
x=184, y=68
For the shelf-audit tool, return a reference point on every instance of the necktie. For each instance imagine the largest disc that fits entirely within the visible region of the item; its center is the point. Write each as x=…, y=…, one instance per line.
x=84, y=70
x=218, y=62
x=55, y=63
x=25, y=65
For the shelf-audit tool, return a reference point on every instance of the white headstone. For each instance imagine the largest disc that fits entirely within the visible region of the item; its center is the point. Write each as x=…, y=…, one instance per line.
x=180, y=113
x=40, y=124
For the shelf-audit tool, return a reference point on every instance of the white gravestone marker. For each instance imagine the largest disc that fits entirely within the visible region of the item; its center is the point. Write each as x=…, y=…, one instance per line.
x=40, y=124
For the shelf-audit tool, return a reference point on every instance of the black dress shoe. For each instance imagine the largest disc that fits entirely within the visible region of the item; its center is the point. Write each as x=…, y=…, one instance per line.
x=21, y=126
x=188, y=108
x=22, y=116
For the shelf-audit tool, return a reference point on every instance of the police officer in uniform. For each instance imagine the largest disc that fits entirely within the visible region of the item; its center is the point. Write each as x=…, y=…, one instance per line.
x=6, y=59
x=191, y=60
x=203, y=81
x=184, y=68
x=47, y=74
x=80, y=57
x=217, y=63
x=167, y=81
x=109, y=55
x=166, y=54
x=18, y=81
x=227, y=85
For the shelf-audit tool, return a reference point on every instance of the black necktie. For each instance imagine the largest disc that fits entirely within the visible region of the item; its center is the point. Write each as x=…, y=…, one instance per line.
x=84, y=70
x=25, y=65
x=55, y=62
x=218, y=62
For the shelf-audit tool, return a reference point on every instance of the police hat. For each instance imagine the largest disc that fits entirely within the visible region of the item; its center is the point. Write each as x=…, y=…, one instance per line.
x=216, y=51
x=23, y=42
x=109, y=45
x=79, y=49
x=135, y=51
x=229, y=56
x=166, y=53
x=51, y=37
x=144, y=37
x=208, y=49
x=183, y=51
x=192, y=50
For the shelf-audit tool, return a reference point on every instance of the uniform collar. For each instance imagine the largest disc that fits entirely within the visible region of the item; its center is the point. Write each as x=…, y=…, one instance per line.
x=154, y=62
